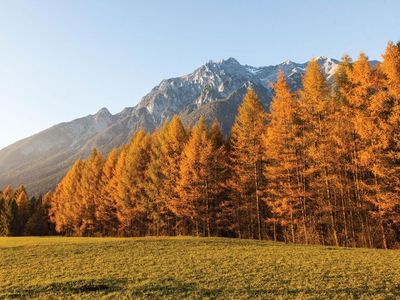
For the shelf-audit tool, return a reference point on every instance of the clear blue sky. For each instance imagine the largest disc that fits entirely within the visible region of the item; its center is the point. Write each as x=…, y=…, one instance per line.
x=63, y=59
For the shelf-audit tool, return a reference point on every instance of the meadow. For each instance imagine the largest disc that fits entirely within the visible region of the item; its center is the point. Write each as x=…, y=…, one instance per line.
x=195, y=268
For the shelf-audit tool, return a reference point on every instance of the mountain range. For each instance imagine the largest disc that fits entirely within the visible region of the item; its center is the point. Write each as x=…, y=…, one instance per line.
x=214, y=91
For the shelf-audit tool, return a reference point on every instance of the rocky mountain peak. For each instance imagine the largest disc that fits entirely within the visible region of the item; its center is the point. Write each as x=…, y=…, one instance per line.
x=103, y=112
x=213, y=91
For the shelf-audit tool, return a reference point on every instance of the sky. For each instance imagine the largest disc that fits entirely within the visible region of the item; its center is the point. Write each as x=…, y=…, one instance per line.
x=64, y=59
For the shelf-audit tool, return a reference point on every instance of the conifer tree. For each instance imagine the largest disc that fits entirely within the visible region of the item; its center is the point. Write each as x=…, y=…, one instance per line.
x=8, y=213
x=381, y=155
x=158, y=211
x=8, y=193
x=65, y=202
x=38, y=223
x=4, y=217
x=221, y=206
x=106, y=213
x=164, y=173
x=14, y=222
x=246, y=163
x=364, y=94
x=131, y=197
x=89, y=193
x=23, y=212
x=283, y=150
x=342, y=136
x=316, y=109
x=195, y=174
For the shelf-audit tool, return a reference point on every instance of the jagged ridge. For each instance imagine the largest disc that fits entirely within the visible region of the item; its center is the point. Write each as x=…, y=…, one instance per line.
x=214, y=91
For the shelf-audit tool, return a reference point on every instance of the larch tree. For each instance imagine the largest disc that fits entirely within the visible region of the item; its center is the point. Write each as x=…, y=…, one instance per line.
x=132, y=207
x=382, y=155
x=89, y=192
x=8, y=193
x=194, y=185
x=164, y=173
x=106, y=214
x=158, y=211
x=283, y=151
x=65, y=202
x=222, y=208
x=116, y=189
x=342, y=138
x=315, y=108
x=246, y=157
x=365, y=98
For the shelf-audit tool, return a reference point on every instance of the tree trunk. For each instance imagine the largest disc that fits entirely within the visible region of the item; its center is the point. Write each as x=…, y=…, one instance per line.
x=384, y=241
x=257, y=202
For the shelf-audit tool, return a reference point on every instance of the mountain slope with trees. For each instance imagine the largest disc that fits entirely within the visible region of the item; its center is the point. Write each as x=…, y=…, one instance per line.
x=213, y=91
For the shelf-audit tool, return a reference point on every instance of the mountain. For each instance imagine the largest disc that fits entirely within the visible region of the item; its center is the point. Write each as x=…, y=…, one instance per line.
x=215, y=90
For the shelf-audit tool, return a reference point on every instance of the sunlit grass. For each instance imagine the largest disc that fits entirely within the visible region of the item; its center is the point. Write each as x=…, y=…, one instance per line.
x=192, y=268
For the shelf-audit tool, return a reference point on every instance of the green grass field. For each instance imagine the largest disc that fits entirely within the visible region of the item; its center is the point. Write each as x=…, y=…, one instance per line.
x=199, y=268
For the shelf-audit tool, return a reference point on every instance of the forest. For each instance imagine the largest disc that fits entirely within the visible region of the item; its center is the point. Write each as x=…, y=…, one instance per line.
x=320, y=166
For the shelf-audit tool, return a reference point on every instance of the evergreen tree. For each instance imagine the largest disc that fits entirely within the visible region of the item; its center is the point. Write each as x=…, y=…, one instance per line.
x=14, y=226
x=4, y=217
x=23, y=209
x=38, y=223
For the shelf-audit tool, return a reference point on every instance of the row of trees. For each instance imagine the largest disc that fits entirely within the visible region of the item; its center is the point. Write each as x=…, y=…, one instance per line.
x=167, y=183
x=321, y=167
x=21, y=215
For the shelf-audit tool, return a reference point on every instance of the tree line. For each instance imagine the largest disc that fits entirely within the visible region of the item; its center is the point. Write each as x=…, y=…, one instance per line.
x=21, y=215
x=321, y=167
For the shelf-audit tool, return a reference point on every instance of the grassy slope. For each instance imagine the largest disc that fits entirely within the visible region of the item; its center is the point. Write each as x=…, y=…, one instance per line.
x=192, y=268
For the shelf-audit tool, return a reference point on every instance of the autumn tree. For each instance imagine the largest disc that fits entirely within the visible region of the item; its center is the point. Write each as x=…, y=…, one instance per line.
x=358, y=92
x=131, y=201
x=321, y=167
x=89, y=192
x=222, y=208
x=316, y=112
x=195, y=174
x=164, y=174
x=106, y=210
x=380, y=135
x=246, y=165
x=65, y=202
x=283, y=151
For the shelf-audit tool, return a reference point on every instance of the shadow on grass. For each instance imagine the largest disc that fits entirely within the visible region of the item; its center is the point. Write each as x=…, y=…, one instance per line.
x=176, y=289
x=102, y=286
x=172, y=287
